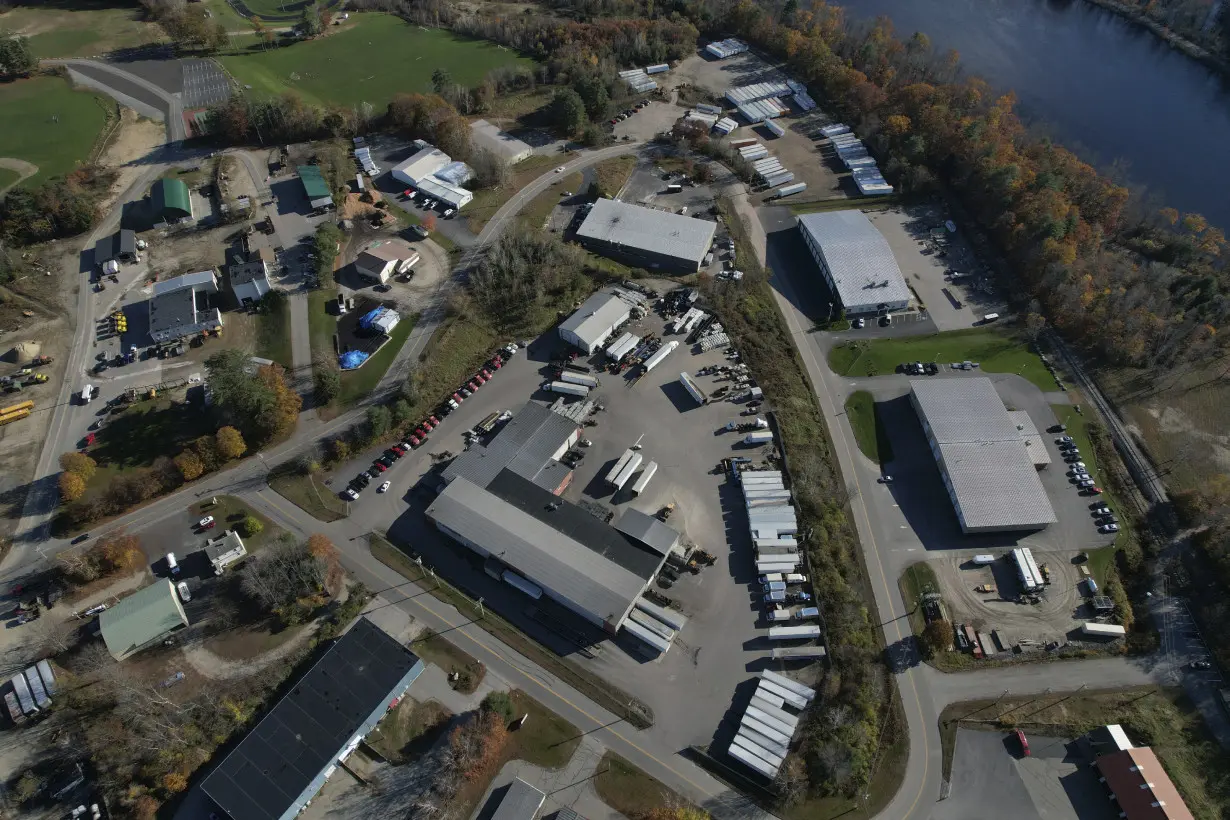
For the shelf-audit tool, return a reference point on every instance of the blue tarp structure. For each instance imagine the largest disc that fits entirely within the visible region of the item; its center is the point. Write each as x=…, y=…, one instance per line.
x=370, y=318
x=352, y=359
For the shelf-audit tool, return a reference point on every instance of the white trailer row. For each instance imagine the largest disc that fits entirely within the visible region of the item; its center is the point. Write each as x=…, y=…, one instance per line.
x=754, y=153
x=706, y=108
x=619, y=465
x=835, y=130
x=655, y=626
x=767, y=726
x=693, y=388
x=1027, y=569
x=761, y=110
x=759, y=91
x=626, y=472
x=725, y=125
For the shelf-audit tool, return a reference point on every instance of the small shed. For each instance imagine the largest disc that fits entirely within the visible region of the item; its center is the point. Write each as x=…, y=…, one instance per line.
x=521, y=801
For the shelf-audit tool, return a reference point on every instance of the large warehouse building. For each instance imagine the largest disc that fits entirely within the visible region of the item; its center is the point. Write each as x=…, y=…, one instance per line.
x=434, y=172
x=597, y=319
x=856, y=261
x=984, y=459
x=646, y=237
x=501, y=502
x=284, y=761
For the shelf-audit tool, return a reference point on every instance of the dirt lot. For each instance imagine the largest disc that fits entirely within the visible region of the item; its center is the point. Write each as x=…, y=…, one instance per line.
x=1051, y=620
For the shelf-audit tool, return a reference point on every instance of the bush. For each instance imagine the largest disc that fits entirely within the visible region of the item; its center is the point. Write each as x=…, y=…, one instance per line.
x=251, y=526
x=501, y=704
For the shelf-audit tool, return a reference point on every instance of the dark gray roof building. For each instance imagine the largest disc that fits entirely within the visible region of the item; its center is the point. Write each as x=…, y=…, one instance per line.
x=648, y=530
x=529, y=445
x=647, y=237
x=286, y=758
x=181, y=307
x=521, y=801
x=579, y=561
x=983, y=458
x=120, y=246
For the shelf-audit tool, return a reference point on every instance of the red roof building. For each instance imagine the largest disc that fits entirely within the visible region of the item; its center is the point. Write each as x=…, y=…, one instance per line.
x=1140, y=786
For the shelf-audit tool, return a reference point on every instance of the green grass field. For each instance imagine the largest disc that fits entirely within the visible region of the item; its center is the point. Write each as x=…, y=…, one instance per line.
x=82, y=32
x=7, y=178
x=375, y=58
x=273, y=336
x=58, y=125
x=996, y=349
x=869, y=430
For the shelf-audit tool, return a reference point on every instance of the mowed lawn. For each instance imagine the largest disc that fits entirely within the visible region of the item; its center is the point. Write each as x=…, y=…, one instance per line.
x=369, y=60
x=89, y=29
x=996, y=349
x=49, y=124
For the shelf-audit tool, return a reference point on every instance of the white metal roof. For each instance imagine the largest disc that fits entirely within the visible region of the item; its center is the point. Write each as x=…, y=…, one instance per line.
x=647, y=229
x=858, y=257
x=990, y=469
x=422, y=164
x=595, y=317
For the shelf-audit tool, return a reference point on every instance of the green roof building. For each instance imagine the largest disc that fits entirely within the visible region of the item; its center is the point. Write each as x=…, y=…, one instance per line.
x=142, y=619
x=315, y=187
x=170, y=200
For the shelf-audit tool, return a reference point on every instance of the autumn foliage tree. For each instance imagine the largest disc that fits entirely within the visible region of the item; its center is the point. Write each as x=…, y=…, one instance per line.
x=230, y=443
x=118, y=552
x=475, y=747
x=189, y=464
x=78, y=463
x=72, y=486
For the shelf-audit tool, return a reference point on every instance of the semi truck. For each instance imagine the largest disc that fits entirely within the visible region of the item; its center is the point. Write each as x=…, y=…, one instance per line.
x=794, y=633
x=568, y=388
x=758, y=437
x=657, y=358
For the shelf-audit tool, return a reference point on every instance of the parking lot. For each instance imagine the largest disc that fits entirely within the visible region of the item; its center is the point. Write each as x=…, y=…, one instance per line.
x=952, y=303
x=990, y=777
x=725, y=637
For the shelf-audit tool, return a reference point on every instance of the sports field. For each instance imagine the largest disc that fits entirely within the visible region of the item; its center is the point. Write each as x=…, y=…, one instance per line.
x=372, y=58
x=49, y=124
x=80, y=32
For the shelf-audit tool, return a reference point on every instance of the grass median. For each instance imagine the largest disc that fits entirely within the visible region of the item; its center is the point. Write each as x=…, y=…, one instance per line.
x=309, y=494
x=608, y=697
x=869, y=430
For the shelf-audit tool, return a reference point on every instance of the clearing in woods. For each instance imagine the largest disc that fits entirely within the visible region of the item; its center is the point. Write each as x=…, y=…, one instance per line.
x=59, y=126
x=369, y=60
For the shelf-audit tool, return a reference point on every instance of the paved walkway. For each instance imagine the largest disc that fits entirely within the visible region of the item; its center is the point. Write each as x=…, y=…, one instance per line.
x=572, y=786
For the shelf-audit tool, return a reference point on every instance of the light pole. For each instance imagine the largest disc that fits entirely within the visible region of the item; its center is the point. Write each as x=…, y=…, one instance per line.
x=830, y=319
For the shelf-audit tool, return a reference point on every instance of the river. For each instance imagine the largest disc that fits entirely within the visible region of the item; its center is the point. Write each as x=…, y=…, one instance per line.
x=1109, y=91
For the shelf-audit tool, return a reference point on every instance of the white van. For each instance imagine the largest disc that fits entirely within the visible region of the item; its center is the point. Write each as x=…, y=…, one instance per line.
x=172, y=564
x=674, y=189
x=983, y=560
x=796, y=578
x=990, y=317
x=87, y=393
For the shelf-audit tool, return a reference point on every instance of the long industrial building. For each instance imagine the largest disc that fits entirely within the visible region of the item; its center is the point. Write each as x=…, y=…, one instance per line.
x=501, y=501
x=284, y=761
x=983, y=456
x=856, y=262
x=646, y=237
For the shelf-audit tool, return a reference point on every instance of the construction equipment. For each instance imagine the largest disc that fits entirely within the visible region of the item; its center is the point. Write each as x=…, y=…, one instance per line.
x=985, y=588
x=666, y=511
x=39, y=361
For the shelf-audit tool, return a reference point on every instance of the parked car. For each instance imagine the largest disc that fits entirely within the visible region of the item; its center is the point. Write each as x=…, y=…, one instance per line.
x=859, y=323
x=1020, y=738
x=380, y=467
x=885, y=479
x=384, y=488
x=185, y=594
x=1200, y=665
x=1057, y=428
x=351, y=494
x=1108, y=528
x=206, y=522
x=1063, y=439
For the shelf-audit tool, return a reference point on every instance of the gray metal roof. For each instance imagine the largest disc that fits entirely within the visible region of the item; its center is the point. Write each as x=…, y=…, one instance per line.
x=648, y=530
x=202, y=279
x=862, y=264
x=648, y=229
x=596, y=316
x=120, y=243
x=173, y=310
x=586, y=574
x=526, y=446
x=520, y=802
x=988, y=463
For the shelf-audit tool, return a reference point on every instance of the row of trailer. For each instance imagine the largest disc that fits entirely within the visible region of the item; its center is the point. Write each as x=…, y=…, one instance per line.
x=855, y=156
x=655, y=626
x=626, y=466
x=769, y=723
x=31, y=693
x=638, y=78
x=726, y=48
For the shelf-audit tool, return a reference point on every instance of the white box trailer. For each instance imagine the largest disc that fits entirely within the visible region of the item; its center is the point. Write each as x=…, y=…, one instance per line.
x=766, y=697
x=49, y=678
x=790, y=190
x=759, y=437
x=762, y=728
x=769, y=543
x=738, y=752
x=567, y=388
x=624, y=345
x=22, y=690
x=777, y=713
x=758, y=750
x=626, y=473
x=793, y=698
x=579, y=378
x=764, y=741
x=660, y=356
x=642, y=481
x=652, y=624
x=779, y=179
x=773, y=723
x=768, y=501
x=619, y=465
x=777, y=564
x=1103, y=630
x=693, y=389
x=648, y=637
x=775, y=129
x=797, y=653
x=789, y=683
x=669, y=617
x=794, y=633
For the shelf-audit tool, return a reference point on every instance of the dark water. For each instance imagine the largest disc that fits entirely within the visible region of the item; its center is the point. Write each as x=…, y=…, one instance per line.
x=1111, y=92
